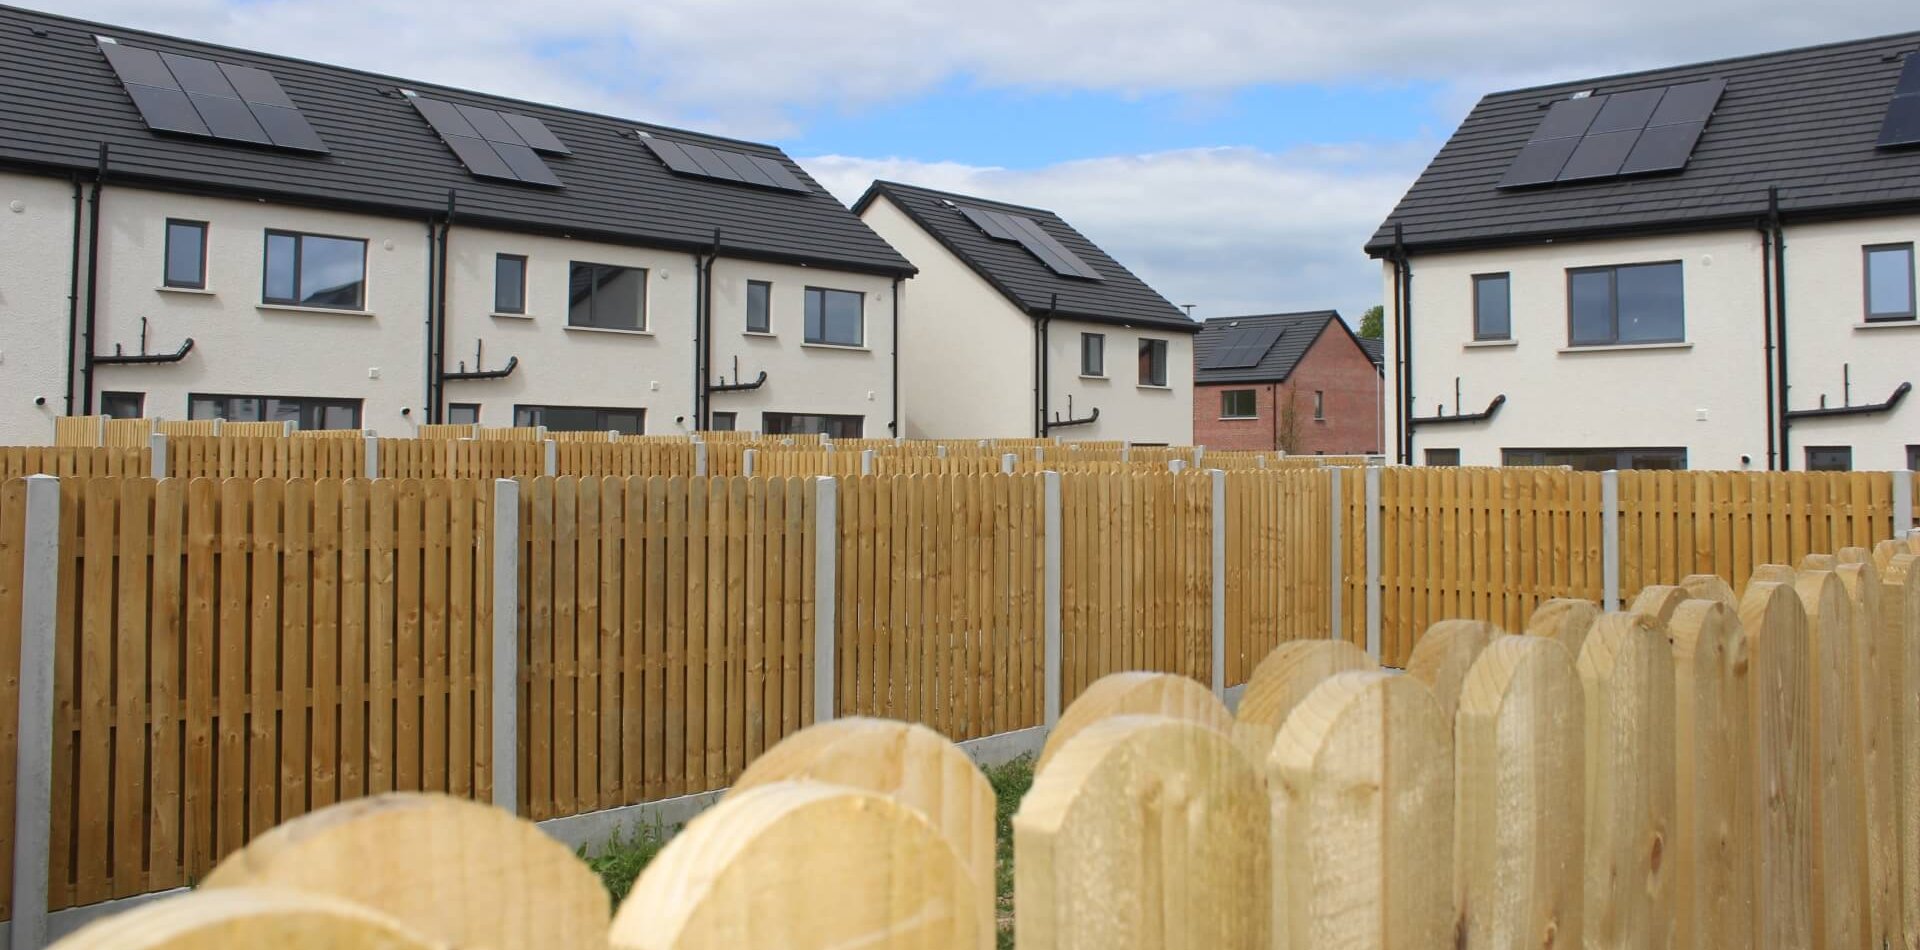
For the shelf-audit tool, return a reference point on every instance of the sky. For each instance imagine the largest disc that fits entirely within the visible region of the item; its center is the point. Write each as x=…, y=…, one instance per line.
x=1235, y=154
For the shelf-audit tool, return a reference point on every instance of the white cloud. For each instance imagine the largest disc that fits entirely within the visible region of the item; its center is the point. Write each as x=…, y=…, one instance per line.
x=1229, y=230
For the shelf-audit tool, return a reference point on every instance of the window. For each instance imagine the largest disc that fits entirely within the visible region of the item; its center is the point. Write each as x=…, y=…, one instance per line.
x=835, y=317
x=723, y=422
x=186, y=254
x=1829, y=458
x=1913, y=458
x=1319, y=406
x=304, y=412
x=463, y=413
x=510, y=283
x=605, y=297
x=1238, y=404
x=123, y=405
x=1638, y=303
x=1093, y=354
x=1890, y=282
x=1443, y=457
x=1153, y=362
x=582, y=419
x=311, y=270
x=791, y=423
x=759, y=307
x=1598, y=460
x=1492, y=307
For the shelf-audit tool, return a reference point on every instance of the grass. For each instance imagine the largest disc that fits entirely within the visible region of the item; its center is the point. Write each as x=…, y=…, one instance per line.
x=623, y=858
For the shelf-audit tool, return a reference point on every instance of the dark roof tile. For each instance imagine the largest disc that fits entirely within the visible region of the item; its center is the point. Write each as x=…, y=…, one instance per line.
x=1298, y=332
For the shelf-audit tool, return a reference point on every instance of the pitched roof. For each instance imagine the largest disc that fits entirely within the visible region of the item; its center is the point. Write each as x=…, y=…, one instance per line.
x=60, y=101
x=1804, y=120
x=1298, y=331
x=1118, y=297
x=1376, y=349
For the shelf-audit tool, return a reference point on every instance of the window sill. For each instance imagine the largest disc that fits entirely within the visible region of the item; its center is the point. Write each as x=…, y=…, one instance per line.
x=1625, y=347
x=1239, y=418
x=294, y=308
x=1096, y=377
x=511, y=316
x=1490, y=345
x=761, y=334
x=195, y=291
x=614, y=330
x=836, y=346
x=1163, y=389
x=1901, y=323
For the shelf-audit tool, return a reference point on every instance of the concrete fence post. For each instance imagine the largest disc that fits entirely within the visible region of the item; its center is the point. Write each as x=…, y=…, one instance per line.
x=1902, y=503
x=699, y=458
x=373, y=456
x=1373, y=563
x=33, y=765
x=1050, y=648
x=1126, y=450
x=826, y=586
x=1199, y=452
x=1007, y=463
x=506, y=644
x=552, y=466
x=157, y=455
x=288, y=428
x=939, y=451
x=866, y=461
x=1260, y=461
x=1176, y=466
x=1610, y=540
x=749, y=460
x=1219, y=585
x=1040, y=454
x=1336, y=553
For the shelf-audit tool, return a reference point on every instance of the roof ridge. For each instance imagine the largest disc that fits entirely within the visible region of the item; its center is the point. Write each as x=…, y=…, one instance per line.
x=1705, y=63
x=884, y=183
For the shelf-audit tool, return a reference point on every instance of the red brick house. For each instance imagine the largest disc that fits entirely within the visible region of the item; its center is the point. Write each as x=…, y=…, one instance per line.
x=1295, y=382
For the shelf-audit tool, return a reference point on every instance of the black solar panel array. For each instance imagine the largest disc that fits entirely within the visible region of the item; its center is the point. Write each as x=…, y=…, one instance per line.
x=1902, y=124
x=1027, y=233
x=1243, y=347
x=190, y=96
x=1607, y=136
x=721, y=164
x=494, y=144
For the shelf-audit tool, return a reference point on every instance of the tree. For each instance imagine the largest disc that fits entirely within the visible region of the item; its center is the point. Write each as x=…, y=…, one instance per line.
x=1286, y=433
x=1370, y=322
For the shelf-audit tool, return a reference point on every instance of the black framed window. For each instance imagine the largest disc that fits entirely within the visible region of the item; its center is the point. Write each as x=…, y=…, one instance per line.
x=582, y=418
x=1829, y=458
x=1889, y=281
x=305, y=412
x=1319, y=406
x=1153, y=362
x=1443, y=457
x=123, y=405
x=186, y=254
x=606, y=297
x=797, y=423
x=1093, y=354
x=510, y=283
x=723, y=422
x=836, y=317
x=463, y=413
x=315, y=270
x=1599, y=460
x=759, y=306
x=1632, y=303
x=1238, y=404
x=1913, y=458
x=1492, y=307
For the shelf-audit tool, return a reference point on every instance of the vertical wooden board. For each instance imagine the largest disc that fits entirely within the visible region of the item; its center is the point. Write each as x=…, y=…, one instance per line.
x=424, y=658
x=1001, y=635
x=324, y=746
x=230, y=661
x=1779, y=651
x=1626, y=672
x=849, y=648
x=697, y=556
x=1899, y=624
x=794, y=566
x=1873, y=686
x=566, y=642
x=880, y=608
x=127, y=684
x=1799, y=489
x=354, y=550
x=1444, y=655
x=296, y=649
x=981, y=505
x=1360, y=782
x=719, y=571
x=1135, y=693
x=912, y=633
x=13, y=507
x=772, y=561
x=805, y=491
x=263, y=732
x=639, y=663
x=1100, y=589
x=1839, y=792
x=383, y=631
x=60, y=886
x=610, y=580
x=587, y=621
x=92, y=863
x=465, y=498
x=165, y=718
x=1527, y=548
x=1519, y=786
x=678, y=566
x=1710, y=854
x=735, y=655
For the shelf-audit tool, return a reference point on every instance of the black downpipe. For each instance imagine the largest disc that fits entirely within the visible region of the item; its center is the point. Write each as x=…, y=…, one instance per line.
x=1784, y=389
x=1038, y=419
x=1046, y=366
x=1766, y=323
x=430, y=372
x=437, y=411
x=703, y=388
x=73, y=296
x=1403, y=341
x=93, y=284
x=895, y=424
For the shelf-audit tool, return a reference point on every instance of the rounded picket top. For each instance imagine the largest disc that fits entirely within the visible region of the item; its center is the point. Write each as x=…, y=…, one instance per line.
x=805, y=865
x=1779, y=650
x=907, y=762
x=1136, y=694
x=1853, y=555
x=1626, y=672
x=1095, y=867
x=1519, y=759
x=1565, y=619
x=1657, y=602
x=1819, y=562
x=1281, y=681
x=467, y=874
x=1444, y=654
x=1774, y=574
x=1361, y=787
x=1713, y=789
x=1884, y=551
x=1711, y=587
x=238, y=917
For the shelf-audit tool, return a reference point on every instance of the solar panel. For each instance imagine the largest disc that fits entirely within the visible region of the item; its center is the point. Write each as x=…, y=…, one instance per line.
x=993, y=223
x=1568, y=118
x=1540, y=162
x=1692, y=102
x=1627, y=110
x=1662, y=148
x=720, y=164
x=1902, y=124
x=536, y=134
x=1599, y=156
x=488, y=143
x=1622, y=133
x=199, y=97
x=1028, y=233
x=1242, y=347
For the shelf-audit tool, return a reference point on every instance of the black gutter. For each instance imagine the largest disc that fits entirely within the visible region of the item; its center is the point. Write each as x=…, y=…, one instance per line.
x=894, y=426
x=1059, y=423
x=1784, y=387
x=513, y=363
x=93, y=285
x=1492, y=408
x=118, y=359
x=1867, y=409
x=1766, y=323
x=73, y=296
x=758, y=382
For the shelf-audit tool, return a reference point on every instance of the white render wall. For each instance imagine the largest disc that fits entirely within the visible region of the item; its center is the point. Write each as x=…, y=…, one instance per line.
x=1128, y=410
x=36, y=247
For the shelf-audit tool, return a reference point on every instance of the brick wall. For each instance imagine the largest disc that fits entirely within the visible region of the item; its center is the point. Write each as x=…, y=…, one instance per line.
x=1333, y=366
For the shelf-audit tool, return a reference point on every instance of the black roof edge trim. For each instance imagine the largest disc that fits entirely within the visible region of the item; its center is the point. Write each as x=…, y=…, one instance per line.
x=1492, y=408
x=1110, y=320
x=1865, y=409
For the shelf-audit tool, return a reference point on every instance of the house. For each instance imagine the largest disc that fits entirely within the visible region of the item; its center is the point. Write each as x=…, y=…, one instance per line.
x=194, y=231
x=1017, y=325
x=1708, y=266
x=1300, y=383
